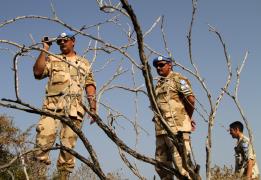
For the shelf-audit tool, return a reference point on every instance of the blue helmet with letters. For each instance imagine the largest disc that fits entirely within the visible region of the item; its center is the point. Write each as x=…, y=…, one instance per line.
x=66, y=33
x=161, y=58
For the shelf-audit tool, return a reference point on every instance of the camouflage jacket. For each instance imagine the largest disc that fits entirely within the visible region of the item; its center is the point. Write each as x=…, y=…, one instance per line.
x=67, y=81
x=170, y=92
x=244, y=152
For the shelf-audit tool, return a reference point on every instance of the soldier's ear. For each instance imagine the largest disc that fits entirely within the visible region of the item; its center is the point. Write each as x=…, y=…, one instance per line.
x=237, y=130
x=170, y=65
x=73, y=40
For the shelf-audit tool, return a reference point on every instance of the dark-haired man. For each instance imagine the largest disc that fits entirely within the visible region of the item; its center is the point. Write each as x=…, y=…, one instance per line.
x=246, y=165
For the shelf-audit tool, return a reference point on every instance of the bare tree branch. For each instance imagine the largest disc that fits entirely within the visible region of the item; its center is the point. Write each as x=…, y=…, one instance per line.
x=65, y=120
x=134, y=38
x=131, y=167
x=148, y=81
x=108, y=131
x=215, y=107
x=235, y=98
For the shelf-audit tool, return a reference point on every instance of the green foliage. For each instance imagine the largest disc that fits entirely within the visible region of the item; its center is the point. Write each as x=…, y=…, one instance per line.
x=9, y=139
x=8, y=132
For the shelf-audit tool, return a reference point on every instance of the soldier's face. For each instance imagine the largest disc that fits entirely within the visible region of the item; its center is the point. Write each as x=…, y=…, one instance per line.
x=66, y=45
x=233, y=132
x=163, y=68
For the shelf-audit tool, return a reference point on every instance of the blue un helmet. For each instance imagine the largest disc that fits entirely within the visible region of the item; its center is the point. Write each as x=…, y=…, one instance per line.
x=65, y=36
x=160, y=58
x=66, y=33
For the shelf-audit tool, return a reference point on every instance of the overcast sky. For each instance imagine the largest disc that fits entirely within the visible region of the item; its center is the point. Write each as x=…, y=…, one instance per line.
x=237, y=21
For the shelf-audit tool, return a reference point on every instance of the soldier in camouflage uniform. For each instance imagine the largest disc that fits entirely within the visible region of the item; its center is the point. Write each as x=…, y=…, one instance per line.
x=175, y=99
x=69, y=75
x=245, y=159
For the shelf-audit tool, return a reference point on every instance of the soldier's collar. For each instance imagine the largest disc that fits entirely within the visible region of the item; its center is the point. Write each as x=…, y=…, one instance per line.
x=167, y=77
x=240, y=139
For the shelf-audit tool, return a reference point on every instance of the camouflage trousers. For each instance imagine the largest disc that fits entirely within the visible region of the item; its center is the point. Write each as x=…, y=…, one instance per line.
x=246, y=178
x=47, y=131
x=167, y=153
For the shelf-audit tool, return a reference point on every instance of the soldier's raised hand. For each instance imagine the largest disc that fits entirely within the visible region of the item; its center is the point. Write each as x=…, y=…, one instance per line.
x=46, y=43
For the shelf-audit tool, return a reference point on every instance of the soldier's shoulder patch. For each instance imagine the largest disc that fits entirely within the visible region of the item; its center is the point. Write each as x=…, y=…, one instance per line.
x=245, y=145
x=182, y=81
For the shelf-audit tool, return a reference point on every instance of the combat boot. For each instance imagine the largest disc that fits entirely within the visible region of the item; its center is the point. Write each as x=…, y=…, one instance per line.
x=64, y=175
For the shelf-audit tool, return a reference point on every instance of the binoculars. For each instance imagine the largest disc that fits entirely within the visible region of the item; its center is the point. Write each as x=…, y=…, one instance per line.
x=48, y=41
x=57, y=40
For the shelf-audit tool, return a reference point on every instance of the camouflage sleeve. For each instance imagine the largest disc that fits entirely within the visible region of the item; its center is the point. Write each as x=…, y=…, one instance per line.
x=47, y=68
x=247, y=150
x=89, y=79
x=185, y=87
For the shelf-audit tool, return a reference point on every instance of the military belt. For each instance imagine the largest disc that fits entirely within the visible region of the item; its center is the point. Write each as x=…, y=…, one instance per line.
x=60, y=110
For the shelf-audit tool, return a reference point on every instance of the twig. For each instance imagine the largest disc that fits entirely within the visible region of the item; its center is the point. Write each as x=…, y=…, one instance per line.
x=95, y=46
x=119, y=71
x=164, y=37
x=131, y=167
x=104, y=65
x=24, y=167
x=118, y=114
x=53, y=11
x=215, y=107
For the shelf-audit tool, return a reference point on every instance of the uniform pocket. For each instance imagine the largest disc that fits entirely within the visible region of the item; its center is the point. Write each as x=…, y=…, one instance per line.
x=60, y=73
x=60, y=79
x=173, y=119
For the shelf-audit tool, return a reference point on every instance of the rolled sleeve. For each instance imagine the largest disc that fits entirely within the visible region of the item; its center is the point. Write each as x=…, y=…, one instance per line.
x=47, y=68
x=88, y=74
x=89, y=80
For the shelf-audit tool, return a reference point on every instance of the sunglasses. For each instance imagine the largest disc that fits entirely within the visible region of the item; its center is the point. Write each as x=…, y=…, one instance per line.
x=160, y=65
x=64, y=40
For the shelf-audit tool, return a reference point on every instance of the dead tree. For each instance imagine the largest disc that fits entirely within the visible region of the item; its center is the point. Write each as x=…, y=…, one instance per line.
x=135, y=38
